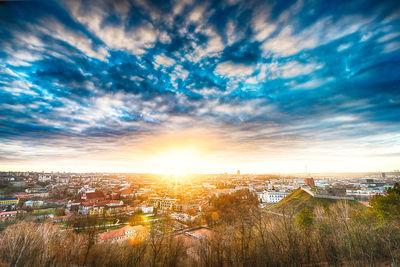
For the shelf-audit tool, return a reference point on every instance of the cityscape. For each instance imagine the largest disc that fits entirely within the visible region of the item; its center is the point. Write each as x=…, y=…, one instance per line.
x=199, y=133
x=132, y=207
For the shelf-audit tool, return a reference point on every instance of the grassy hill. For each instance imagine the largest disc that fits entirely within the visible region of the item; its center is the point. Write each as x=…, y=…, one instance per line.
x=299, y=199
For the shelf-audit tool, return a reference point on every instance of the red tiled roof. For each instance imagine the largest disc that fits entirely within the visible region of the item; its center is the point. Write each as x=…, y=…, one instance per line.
x=114, y=201
x=62, y=217
x=97, y=194
x=121, y=232
x=112, y=234
x=127, y=191
x=192, y=237
x=11, y=212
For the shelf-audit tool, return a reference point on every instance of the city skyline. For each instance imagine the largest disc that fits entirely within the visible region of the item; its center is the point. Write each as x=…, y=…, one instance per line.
x=181, y=87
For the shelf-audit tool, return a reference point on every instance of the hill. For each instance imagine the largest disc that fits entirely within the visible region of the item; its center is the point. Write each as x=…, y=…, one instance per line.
x=299, y=199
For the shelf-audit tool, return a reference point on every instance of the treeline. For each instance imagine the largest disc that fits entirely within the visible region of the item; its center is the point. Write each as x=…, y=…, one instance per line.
x=243, y=235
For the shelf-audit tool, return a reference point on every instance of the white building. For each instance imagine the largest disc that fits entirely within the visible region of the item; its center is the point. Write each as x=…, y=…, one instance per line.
x=144, y=208
x=269, y=186
x=271, y=196
x=34, y=203
x=163, y=203
x=183, y=217
x=44, y=178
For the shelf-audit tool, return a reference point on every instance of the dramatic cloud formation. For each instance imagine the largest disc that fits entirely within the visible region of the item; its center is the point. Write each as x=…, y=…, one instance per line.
x=273, y=85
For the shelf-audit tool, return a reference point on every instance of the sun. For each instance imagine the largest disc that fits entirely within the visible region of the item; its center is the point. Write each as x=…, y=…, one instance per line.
x=181, y=153
x=178, y=161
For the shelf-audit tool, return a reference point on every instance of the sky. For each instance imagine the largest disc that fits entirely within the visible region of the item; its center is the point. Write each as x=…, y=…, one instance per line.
x=200, y=86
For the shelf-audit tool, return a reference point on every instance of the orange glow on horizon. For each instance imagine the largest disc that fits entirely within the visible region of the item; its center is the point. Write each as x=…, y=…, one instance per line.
x=204, y=151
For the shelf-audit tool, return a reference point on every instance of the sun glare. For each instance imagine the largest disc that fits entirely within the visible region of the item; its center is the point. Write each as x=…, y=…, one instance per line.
x=178, y=161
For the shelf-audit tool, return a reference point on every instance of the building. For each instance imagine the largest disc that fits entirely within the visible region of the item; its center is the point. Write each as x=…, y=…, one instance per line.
x=105, y=208
x=310, y=182
x=94, y=197
x=5, y=202
x=34, y=203
x=270, y=187
x=44, y=178
x=336, y=191
x=127, y=193
x=271, y=196
x=146, y=208
x=187, y=206
x=193, y=240
x=238, y=172
x=7, y=215
x=163, y=203
x=182, y=216
x=133, y=234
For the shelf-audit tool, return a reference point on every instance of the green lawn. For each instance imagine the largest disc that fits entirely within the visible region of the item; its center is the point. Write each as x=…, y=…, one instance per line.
x=44, y=211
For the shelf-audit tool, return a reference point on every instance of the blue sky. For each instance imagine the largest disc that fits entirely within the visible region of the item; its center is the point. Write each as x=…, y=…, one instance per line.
x=264, y=86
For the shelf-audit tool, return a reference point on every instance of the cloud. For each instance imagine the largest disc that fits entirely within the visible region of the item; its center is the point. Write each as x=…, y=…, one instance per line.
x=314, y=83
x=164, y=60
x=234, y=70
x=388, y=37
x=262, y=27
x=293, y=69
x=115, y=36
x=343, y=47
x=323, y=31
x=279, y=75
x=75, y=39
x=391, y=47
x=213, y=46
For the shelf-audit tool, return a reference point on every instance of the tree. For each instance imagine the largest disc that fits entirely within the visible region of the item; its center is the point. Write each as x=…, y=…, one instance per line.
x=60, y=211
x=387, y=207
x=44, y=244
x=305, y=218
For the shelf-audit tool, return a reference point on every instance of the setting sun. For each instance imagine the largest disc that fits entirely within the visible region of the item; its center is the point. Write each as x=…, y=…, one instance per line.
x=177, y=161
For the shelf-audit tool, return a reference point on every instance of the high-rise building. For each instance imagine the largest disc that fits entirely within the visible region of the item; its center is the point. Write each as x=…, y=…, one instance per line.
x=309, y=182
x=238, y=172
